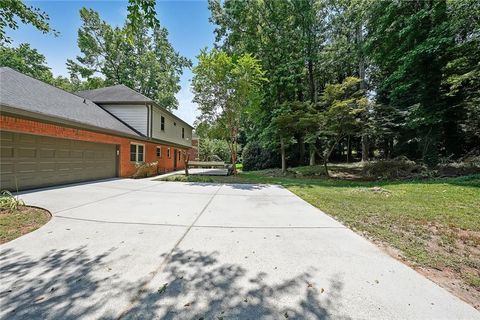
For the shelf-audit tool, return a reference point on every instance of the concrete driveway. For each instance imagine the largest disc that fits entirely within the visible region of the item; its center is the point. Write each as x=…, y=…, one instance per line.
x=142, y=249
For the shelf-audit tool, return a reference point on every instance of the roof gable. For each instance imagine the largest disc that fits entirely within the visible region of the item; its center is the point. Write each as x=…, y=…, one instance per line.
x=118, y=93
x=25, y=93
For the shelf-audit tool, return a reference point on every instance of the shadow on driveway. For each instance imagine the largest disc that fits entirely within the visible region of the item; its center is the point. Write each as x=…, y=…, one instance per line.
x=61, y=284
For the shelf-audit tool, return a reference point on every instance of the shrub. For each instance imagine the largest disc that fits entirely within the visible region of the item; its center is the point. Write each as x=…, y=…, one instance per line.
x=465, y=166
x=214, y=150
x=145, y=169
x=9, y=202
x=397, y=168
x=255, y=157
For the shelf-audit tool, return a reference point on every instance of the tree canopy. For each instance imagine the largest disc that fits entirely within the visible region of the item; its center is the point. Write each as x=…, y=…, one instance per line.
x=366, y=78
x=225, y=87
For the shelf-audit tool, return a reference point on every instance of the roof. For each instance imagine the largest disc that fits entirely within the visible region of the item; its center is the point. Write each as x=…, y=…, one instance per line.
x=121, y=94
x=118, y=93
x=25, y=93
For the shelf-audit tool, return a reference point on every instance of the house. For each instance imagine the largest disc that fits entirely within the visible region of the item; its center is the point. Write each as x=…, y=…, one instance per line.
x=194, y=152
x=49, y=136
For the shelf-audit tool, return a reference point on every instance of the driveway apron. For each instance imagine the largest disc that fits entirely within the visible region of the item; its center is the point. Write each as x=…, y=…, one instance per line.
x=144, y=249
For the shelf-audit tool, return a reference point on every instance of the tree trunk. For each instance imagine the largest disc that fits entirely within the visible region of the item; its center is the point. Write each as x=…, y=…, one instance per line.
x=187, y=159
x=234, y=158
x=361, y=60
x=325, y=161
x=349, y=149
x=364, y=148
x=301, y=143
x=312, y=156
x=282, y=152
x=311, y=80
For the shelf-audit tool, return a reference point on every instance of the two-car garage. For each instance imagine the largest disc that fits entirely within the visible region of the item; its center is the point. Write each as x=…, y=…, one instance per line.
x=31, y=161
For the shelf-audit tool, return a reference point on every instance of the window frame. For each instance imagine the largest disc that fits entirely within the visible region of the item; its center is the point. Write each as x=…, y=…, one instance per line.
x=169, y=154
x=183, y=133
x=162, y=123
x=158, y=152
x=137, y=153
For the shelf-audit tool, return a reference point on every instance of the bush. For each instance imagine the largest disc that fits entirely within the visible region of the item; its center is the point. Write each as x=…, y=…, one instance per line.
x=397, y=168
x=255, y=157
x=214, y=150
x=9, y=202
x=465, y=166
x=145, y=169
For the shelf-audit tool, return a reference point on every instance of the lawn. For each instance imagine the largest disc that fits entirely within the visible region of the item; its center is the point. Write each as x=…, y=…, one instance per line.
x=432, y=225
x=17, y=222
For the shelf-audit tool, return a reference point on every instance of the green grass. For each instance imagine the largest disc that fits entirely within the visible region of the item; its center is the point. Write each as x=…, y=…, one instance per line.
x=15, y=223
x=435, y=223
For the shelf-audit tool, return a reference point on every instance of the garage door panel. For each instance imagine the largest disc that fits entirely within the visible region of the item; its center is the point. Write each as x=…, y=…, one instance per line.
x=27, y=152
x=31, y=161
x=25, y=167
x=6, y=167
x=46, y=153
x=47, y=166
x=6, y=152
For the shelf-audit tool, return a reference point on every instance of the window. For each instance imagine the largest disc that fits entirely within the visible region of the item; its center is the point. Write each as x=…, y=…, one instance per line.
x=159, y=152
x=168, y=153
x=162, y=123
x=136, y=152
x=179, y=155
x=183, y=133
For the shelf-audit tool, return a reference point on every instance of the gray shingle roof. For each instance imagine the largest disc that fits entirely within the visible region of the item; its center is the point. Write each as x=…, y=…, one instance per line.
x=118, y=93
x=121, y=94
x=22, y=92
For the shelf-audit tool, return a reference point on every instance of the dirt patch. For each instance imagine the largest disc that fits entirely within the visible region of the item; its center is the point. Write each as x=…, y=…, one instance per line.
x=25, y=219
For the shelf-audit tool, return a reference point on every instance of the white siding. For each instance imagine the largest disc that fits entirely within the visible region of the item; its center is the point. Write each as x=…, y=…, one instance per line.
x=172, y=132
x=133, y=115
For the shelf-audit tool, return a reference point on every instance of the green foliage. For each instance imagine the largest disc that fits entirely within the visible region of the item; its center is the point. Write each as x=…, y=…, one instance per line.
x=148, y=63
x=417, y=62
x=9, y=202
x=29, y=61
x=12, y=11
x=394, y=169
x=26, y=60
x=145, y=169
x=214, y=150
x=256, y=157
x=138, y=11
x=226, y=86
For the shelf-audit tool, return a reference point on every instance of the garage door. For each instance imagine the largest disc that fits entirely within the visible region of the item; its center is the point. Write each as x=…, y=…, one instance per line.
x=31, y=161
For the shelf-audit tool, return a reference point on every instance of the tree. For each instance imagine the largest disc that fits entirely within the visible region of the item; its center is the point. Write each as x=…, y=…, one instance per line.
x=27, y=60
x=225, y=86
x=344, y=105
x=139, y=11
x=13, y=10
x=409, y=42
x=147, y=64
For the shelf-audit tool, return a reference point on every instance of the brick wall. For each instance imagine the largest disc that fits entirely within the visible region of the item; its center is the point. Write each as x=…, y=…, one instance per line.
x=127, y=168
x=193, y=151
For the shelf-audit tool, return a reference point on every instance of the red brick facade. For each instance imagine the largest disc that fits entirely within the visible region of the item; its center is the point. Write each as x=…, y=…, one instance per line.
x=127, y=168
x=193, y=152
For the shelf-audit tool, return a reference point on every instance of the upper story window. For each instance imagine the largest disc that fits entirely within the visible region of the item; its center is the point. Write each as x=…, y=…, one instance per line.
x=159, y=152
x=137, y=152
x=183, y=133
x=162, y=123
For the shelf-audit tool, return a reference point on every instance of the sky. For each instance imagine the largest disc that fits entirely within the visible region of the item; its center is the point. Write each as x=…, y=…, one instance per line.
x=186, y=21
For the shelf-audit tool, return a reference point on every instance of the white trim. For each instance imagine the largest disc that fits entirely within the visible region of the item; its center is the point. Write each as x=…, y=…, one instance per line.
x=136, y=152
